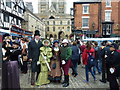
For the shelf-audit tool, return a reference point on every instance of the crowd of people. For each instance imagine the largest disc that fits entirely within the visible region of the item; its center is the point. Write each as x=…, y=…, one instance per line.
x=52, y=60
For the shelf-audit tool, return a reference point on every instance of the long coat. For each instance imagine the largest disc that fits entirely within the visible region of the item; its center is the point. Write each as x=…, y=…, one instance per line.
x=34, y=53
x=55, y=64
x=43, y=75
x=75, y=53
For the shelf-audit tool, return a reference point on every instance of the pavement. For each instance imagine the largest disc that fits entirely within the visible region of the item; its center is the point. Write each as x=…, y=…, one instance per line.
x=75, y=82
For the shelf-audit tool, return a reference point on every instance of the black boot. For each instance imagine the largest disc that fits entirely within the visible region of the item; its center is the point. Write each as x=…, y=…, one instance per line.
x=67, y=81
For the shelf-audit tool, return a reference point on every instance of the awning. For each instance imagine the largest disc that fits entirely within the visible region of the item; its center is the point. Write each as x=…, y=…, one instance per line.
x=13, y=34
x=90, y=32
x=4, y=31
x=77, y=31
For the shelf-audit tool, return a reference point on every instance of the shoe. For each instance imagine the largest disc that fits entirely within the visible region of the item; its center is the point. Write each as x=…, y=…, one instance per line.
x=65, y=84
x=95, y=79
x=86, y=81
x=102, y=81
x=75, y=75
x=32, y=84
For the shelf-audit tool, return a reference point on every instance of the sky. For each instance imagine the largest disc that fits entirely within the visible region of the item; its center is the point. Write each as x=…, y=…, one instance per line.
x=35, y=5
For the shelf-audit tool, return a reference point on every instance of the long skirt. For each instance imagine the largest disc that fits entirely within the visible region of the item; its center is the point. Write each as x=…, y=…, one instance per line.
x=56, y=72
x=10, y=75
x=43, y=75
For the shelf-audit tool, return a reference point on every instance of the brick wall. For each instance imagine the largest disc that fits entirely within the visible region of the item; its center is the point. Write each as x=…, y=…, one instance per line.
x=97, y=15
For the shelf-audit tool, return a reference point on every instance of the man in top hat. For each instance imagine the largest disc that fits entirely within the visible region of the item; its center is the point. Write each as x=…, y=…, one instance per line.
x=33, y=55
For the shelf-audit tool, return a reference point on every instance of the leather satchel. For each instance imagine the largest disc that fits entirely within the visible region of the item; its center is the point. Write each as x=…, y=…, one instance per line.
x=25, y=58
x=54, y=66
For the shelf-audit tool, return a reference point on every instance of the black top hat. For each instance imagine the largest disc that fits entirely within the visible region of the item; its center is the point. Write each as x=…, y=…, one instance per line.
x=37, y=33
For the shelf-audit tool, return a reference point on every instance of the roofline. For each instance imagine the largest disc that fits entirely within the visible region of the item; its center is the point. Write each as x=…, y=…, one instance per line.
x=85, y=3
x=32, y=13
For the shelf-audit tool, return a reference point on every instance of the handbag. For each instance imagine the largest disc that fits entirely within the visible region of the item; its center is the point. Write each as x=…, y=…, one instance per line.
x=54, y=66
x=25, y=58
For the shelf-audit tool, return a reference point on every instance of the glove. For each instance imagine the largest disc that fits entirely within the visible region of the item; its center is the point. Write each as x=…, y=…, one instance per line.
x=112, y=70
x=45, y=57
x=38, y=63
x=63, y=62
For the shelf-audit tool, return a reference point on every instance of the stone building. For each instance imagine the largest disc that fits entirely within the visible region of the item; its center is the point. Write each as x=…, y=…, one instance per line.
x=44, y=5
x=29, y=6
x=32, y=23
x=58, y=23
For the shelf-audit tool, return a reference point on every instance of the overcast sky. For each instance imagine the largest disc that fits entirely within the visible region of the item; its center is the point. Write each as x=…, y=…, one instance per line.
x=68, y=2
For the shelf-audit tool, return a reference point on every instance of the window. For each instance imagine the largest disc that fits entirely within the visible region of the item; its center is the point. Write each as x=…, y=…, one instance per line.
x=107, y=15
x=68, y=28
x=85, y=23
x=8, y=3
x=53, y=28
x=60, y=22
x=108, y=3
x=85, y=9
x=19, y=10
x=108, y=29
x=53, y=22
x=17, y=21
x=48, y=22
x=47, y=28
x=6, y=18
x=68, y=23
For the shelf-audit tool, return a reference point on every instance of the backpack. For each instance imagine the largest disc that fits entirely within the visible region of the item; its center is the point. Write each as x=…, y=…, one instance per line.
x=91, y=61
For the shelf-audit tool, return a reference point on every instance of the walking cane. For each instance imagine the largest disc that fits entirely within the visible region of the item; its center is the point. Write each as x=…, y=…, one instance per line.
x=46, y=62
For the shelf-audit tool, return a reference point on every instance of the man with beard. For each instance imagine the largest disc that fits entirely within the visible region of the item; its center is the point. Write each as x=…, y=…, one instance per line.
x=33, y=55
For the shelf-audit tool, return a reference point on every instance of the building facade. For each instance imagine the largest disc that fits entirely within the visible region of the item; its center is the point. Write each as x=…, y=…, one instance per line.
x=43, y=6
x=32, y=23
x=58, y=5
x=110, y=18
x=11, y=17
x=87, y=17
x=97, y=17
x=58, y=28
x=58, y=23
x=29, y=6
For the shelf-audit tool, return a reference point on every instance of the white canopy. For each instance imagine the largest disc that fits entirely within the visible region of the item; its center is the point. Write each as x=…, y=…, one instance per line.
x=4, y=31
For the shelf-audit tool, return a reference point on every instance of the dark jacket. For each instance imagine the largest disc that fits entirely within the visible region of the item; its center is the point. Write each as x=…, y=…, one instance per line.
x=66, y=53
x=75, y=53
x=97, y=53
x=12, y=53
x=106, y=51
x=34, y=53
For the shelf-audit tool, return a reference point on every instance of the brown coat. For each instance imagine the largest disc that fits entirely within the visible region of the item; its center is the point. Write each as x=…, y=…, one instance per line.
x=55, y=72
